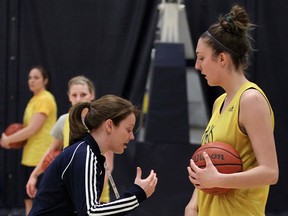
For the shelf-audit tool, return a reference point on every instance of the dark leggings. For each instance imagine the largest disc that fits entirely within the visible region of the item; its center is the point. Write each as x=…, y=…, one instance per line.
x=27, y=170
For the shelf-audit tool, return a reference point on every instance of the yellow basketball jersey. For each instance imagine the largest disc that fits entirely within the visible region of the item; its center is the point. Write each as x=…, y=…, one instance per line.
x=223, y=126
x=66, y=130
x=105, y=196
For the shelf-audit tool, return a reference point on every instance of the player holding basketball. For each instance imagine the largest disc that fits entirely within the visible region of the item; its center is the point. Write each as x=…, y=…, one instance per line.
x=242, y=117
x=72, y=184
x=39, y=117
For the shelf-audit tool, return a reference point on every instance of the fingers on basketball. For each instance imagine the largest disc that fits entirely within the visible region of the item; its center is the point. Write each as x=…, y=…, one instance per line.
x=11, y=129
x=223, y=156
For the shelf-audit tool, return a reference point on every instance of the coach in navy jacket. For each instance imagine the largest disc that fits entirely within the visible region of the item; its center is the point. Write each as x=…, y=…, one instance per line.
x=73, y=182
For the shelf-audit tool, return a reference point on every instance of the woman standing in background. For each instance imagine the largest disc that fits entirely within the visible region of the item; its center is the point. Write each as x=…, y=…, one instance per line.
x=39, y=117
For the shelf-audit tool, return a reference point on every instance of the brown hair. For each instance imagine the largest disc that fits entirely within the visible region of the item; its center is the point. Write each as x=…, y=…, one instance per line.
x=44, y=73
x=83, y=81
x=42, y=70
x=231, y=34
x=107, y=107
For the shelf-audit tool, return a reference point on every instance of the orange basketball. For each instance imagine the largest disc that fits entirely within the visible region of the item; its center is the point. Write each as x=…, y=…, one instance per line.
x=11, y=129
x=223, y=156
x=49, y=158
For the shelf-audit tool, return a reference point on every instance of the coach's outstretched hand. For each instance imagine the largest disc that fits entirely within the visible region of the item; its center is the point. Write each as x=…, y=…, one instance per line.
x=148, y=184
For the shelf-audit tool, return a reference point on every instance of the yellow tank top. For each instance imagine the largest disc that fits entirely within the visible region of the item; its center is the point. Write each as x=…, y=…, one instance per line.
x=66, y=132
x=224, y=127
x=105, y=196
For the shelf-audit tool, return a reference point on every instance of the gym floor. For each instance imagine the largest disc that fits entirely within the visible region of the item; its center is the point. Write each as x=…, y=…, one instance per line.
x=21, y=212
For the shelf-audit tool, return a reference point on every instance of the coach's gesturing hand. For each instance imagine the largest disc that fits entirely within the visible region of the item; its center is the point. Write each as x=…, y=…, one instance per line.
x=148, y=184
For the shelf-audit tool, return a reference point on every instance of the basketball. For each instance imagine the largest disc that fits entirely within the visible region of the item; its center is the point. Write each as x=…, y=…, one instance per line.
x=49, y=158
x=11, y=129
x=223, y=156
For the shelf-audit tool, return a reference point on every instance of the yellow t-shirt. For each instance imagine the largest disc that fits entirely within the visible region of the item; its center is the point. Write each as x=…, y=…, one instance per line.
x=39, y=142
x=223, y=127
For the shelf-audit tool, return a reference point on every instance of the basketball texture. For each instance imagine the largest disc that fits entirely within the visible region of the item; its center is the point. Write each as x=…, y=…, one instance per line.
x=49, y=158
x=224, y=157
x=11, y=129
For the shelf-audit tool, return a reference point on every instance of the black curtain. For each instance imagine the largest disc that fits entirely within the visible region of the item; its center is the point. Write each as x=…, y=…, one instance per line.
x=109, y=41
x=271, y=73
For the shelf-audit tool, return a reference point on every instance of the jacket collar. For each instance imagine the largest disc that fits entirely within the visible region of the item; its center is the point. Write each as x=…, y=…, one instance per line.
x=92, y=143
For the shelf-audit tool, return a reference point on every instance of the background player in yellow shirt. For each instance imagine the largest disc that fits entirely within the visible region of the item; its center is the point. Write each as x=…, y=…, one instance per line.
x=39, y=117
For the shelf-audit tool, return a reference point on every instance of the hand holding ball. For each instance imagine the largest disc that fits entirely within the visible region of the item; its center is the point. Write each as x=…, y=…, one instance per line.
x=11, y=129
x=223, y=156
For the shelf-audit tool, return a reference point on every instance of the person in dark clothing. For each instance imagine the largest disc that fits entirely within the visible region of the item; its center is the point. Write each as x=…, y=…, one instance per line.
x=73, y=182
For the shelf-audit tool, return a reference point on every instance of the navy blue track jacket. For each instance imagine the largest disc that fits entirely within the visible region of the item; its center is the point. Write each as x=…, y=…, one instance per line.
x=73, y=182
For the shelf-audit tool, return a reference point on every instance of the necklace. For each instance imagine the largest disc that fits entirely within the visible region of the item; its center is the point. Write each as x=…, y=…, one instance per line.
x=111, y=180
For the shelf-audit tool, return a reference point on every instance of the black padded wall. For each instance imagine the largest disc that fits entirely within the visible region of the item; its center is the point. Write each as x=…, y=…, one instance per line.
x=167, y=118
